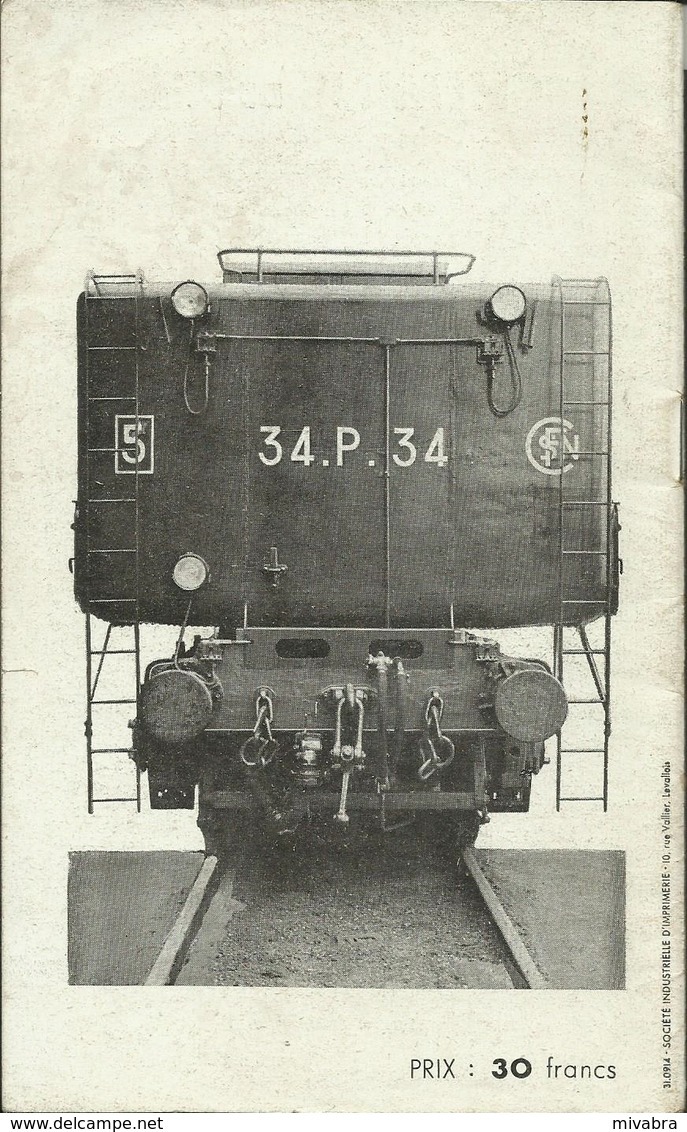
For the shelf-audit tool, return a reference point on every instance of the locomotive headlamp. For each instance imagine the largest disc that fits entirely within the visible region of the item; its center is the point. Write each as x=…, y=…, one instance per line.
x=190, y=572
x=190, y=299
x=507, y=304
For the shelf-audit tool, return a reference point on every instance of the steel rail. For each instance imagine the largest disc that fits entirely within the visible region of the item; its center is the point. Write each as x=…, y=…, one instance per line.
x=175, y=948
x=509, y=933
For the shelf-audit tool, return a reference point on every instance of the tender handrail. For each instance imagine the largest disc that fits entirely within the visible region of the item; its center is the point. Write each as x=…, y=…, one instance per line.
x=435, y=265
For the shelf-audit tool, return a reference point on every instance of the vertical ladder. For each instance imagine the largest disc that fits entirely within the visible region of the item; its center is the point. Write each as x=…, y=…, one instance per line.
x=589, y=510
x=124, y=290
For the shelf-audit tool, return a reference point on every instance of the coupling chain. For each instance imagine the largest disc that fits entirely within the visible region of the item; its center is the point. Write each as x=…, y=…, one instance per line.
x=260, y=747
x=436, y=749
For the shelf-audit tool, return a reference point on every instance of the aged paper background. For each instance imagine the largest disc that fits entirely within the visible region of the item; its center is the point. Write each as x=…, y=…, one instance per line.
x=150, y=134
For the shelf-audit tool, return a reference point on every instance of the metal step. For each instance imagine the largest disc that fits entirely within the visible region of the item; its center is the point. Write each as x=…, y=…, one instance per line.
x=582, y=750
x=135, y=798
x=111, y=750
x=582, y=798
x=583, y=601
x=113, y=652
x=112, y=600
x=583, y=652
x=586, y=503
x=94, y=702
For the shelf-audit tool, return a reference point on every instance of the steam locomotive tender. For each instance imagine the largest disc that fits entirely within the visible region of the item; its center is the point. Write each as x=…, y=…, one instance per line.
x=342, y=462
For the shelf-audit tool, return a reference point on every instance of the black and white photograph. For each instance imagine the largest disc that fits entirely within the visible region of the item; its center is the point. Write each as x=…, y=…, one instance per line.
x=342, y=572
x=340, y=732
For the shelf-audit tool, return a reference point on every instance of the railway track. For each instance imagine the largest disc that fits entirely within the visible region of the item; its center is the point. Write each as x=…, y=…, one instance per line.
x=381, y=914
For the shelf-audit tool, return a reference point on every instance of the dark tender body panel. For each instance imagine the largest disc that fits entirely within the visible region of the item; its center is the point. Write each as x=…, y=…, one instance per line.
x=368, y=540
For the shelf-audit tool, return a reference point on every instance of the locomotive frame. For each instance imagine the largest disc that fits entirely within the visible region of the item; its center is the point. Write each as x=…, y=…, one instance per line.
x=452, y=657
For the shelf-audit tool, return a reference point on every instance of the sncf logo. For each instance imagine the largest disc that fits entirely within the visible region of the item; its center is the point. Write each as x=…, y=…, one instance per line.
x=550, y=448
